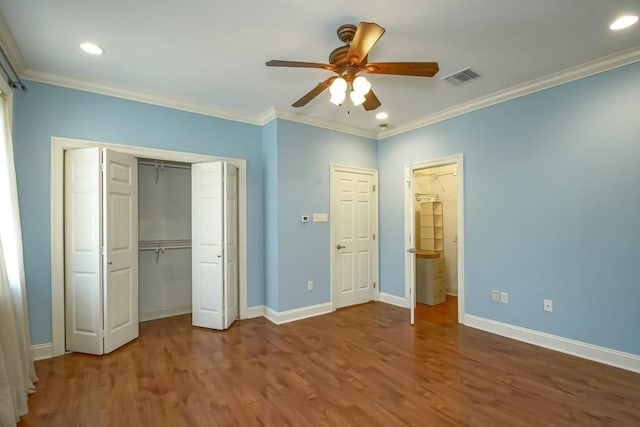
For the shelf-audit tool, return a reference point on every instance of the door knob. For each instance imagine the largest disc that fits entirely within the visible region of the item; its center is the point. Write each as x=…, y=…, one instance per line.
x=110, y=262
x=411, y=250
x=340, y=247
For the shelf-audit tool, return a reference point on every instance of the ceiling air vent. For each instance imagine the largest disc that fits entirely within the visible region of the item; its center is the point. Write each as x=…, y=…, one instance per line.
x=462, y=76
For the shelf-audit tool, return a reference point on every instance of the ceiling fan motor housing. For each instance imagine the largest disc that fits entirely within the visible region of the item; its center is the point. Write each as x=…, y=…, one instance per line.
x=346, y=32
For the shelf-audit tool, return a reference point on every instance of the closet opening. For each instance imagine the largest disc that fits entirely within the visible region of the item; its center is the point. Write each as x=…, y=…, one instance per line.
x=434, y=240
x=435, y=193
x=139, y=234
x=164, y=238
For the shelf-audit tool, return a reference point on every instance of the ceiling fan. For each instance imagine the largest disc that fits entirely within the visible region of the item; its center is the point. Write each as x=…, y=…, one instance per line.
x=352, y=58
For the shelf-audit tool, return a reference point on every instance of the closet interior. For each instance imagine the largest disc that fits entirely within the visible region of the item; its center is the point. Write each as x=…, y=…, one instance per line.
x=164, y=234
x=436, y=222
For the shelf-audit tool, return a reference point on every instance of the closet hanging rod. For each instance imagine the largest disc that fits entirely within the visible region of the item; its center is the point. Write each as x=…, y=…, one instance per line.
x=151, y=245
x=165, y=163
x=163, y=242
x=166, y=248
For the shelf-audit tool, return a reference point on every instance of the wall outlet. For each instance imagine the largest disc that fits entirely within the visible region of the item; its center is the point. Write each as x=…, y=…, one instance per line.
x=504, y=297
x=309, y=285
x=548, y=305
x=495, y=296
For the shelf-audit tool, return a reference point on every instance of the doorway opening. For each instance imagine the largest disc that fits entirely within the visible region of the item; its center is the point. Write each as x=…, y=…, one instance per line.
x=434, y=220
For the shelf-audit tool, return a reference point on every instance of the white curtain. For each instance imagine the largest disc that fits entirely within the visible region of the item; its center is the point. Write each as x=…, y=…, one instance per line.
x=17, y=374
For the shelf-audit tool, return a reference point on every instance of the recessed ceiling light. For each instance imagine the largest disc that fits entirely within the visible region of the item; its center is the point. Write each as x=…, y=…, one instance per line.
x=623, y=22
x=382, y=115
x=91, y=48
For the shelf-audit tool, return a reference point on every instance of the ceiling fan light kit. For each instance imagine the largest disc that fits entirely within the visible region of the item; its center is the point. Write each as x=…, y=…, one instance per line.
x=349, y=60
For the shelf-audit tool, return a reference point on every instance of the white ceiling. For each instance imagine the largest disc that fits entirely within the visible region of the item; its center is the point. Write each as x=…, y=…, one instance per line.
x=212, y=53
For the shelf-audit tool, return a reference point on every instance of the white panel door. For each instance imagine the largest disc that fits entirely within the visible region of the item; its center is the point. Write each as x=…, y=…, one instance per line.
x=231, y=300
x=83, y=290
x=120, y=234
x=411, y=251
x=353, y=228
x=207, y=250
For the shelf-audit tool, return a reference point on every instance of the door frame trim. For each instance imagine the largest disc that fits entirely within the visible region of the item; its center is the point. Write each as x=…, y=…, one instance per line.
x=409, y=169
x=376, y=245
x=58, y=147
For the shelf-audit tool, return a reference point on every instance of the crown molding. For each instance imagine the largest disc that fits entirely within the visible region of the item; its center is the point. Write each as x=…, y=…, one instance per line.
x=11, y=47
x=275, y=112
x=261, y=120
x=267, y=116
x=555, y=79
x=176, y=104
x=567, y=75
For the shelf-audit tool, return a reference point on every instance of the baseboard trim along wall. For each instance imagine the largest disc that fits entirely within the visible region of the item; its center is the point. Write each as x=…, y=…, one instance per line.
x=297, y=313
x=393, y=300
x=42, y=351
x=160, y=314
x=619, y=359
x=253, y=312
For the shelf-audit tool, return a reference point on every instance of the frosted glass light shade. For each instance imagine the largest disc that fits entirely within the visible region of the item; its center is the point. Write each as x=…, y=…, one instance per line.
x=339, y=85
x=356, y=98
x=361, y=85
x=338, y=98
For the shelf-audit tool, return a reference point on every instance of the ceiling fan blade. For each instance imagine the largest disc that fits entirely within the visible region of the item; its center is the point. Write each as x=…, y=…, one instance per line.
x=371, y=101
x=365, y=37
x=419, y=69
x=279, y=63
x=314, y=92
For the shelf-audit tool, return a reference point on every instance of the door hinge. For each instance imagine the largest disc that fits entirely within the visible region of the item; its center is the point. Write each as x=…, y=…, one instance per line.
x=374, y=236
x=409, y=184
x=374, y=188
x=374, y=285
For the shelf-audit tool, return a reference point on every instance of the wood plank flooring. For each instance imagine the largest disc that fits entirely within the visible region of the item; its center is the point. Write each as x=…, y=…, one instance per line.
x=360, y=366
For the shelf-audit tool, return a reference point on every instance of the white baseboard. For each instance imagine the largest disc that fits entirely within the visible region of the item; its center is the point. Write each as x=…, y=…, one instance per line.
x=453, y=292
x=42, y=351
x=297, y=313
x=393, y=300
x=160, y=314
x=619, y=359
x=253, y=312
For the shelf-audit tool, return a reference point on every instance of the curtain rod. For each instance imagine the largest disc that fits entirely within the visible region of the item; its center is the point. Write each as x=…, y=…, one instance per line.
x=12, y=83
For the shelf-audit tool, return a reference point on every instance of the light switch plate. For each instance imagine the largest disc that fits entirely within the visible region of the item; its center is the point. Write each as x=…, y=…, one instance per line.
x=320, y=217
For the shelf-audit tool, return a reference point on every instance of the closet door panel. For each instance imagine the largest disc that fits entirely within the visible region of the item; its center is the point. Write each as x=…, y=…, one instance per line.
x=120, y=234
x=231, y=308
x=83, y=296
x=207, y=250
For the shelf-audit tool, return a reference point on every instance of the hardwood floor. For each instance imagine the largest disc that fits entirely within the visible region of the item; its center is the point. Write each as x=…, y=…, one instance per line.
x=363, y=366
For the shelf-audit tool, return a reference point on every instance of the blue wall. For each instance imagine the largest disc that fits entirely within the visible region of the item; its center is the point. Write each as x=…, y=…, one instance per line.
x=44, y=111
x=551, y=198
x=305, y=154
x=270, y=154
x=552, y=207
